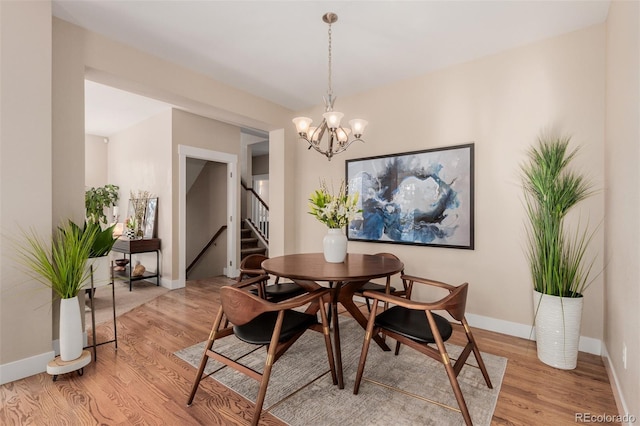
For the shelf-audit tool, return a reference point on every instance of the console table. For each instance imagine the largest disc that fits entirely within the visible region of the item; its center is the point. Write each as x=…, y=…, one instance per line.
x=130, y=247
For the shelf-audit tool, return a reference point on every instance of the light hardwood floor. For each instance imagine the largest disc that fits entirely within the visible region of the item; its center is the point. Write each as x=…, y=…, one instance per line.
x=144, y=383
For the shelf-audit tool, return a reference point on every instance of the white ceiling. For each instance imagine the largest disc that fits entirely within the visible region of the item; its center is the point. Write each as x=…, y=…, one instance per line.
x=278, y=49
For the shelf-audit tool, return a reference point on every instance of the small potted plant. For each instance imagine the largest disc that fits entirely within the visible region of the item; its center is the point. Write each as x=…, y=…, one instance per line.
x=335, y=211
x=131, y=226
x=96, y=200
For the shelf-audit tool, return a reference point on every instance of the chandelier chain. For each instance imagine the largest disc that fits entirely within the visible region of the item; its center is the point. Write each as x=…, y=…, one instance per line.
x=330, y=91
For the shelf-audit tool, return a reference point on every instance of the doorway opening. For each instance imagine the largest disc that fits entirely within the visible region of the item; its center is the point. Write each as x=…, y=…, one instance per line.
x=231, y=161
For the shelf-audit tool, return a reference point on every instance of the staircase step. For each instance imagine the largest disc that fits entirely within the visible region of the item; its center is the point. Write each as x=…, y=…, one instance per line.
x=253, y=250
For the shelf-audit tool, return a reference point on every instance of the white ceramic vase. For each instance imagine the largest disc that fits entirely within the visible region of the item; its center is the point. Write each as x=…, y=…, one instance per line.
x=557, y=325
x=335, y=246
x=70, y=329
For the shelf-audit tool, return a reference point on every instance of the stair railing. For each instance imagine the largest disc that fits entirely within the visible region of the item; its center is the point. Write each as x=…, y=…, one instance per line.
x=258, y=213
x=205, y=248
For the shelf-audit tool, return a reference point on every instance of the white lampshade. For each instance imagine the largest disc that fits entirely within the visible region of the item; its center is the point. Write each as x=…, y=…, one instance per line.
x=302, y=124
x=314, y=133
x=358, y=125
x=333, y=118
x=343, y=134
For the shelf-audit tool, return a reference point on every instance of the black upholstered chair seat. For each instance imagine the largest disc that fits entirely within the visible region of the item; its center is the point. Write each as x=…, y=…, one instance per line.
x=259, y=330
x=371, y=286
x=412, y=324
x=281, y=291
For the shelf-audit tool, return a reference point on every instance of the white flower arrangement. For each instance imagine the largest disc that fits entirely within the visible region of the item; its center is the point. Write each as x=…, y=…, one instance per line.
x=334, y=210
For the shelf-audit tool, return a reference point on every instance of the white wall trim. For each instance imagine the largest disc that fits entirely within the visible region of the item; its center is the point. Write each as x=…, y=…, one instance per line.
x=623, y=408
x=231, y=160
x=587, y=344
x=25, y=367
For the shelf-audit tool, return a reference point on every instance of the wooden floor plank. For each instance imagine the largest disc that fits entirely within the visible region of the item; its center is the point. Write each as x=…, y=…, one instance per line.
x=144, y=383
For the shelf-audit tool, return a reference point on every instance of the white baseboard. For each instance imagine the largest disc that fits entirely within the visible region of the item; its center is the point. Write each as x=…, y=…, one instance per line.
x=623, y=409
x=25, y=367
x=587, y=344
x=170, y=284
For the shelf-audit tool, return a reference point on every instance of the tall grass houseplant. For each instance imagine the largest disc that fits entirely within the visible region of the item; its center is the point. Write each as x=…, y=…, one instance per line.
x=556, y=252
x=61, y=265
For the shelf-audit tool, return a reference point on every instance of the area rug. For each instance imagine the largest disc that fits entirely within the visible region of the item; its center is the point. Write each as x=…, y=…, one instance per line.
x=301, y=392
x=143, y=292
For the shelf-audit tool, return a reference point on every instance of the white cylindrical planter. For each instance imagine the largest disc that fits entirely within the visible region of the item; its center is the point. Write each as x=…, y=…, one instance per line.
x=70, y=329
x=335, y=246
x=557, y=325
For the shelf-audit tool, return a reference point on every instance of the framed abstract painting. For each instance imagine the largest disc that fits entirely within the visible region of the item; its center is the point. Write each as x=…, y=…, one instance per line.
x=418, y=198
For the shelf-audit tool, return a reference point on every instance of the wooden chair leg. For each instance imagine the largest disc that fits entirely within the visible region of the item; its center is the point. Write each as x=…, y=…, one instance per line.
x=366, y=299
x=365, y=349
x=476, y=353
x=263, y=386
x=458, y=392
x=450, y=371
x=205, y=357
x=268, y=364
x=327, y=342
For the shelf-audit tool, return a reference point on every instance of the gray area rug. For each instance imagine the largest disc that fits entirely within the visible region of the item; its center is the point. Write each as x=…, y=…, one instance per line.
x=301, y=392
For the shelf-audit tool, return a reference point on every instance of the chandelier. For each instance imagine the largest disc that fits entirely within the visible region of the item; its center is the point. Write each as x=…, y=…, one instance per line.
x=329, y=138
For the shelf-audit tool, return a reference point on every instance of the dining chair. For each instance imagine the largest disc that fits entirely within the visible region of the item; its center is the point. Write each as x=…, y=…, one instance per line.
x=382, y=288
x=250, y=267
x=416, y=325
x=260, y=322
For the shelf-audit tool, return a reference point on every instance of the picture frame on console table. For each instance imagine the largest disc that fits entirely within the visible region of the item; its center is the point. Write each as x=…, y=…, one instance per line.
x=423, y=198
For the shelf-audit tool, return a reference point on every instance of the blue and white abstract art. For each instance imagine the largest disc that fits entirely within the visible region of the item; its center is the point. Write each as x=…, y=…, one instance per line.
x=420, y=198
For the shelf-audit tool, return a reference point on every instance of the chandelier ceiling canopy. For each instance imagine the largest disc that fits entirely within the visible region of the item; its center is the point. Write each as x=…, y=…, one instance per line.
x=330, y=137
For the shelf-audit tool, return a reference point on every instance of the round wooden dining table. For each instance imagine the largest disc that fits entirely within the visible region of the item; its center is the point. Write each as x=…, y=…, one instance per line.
x=344, y=278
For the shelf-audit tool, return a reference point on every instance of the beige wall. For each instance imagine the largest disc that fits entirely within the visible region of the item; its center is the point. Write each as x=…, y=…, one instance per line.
x=501, y=103
x=199, y=132
x=622, y=317
x=140, y=160
x=206, y=213
x=25, y=181
x=95, y=161
x=260, y=166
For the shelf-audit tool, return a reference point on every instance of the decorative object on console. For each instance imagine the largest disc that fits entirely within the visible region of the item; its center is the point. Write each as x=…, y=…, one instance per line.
x=138, y=270
x=143, y=208
x=556, y=252
x=335, y=211
x=418, y=198
x=121, y=264
x=337, y=136
x=131, y=225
